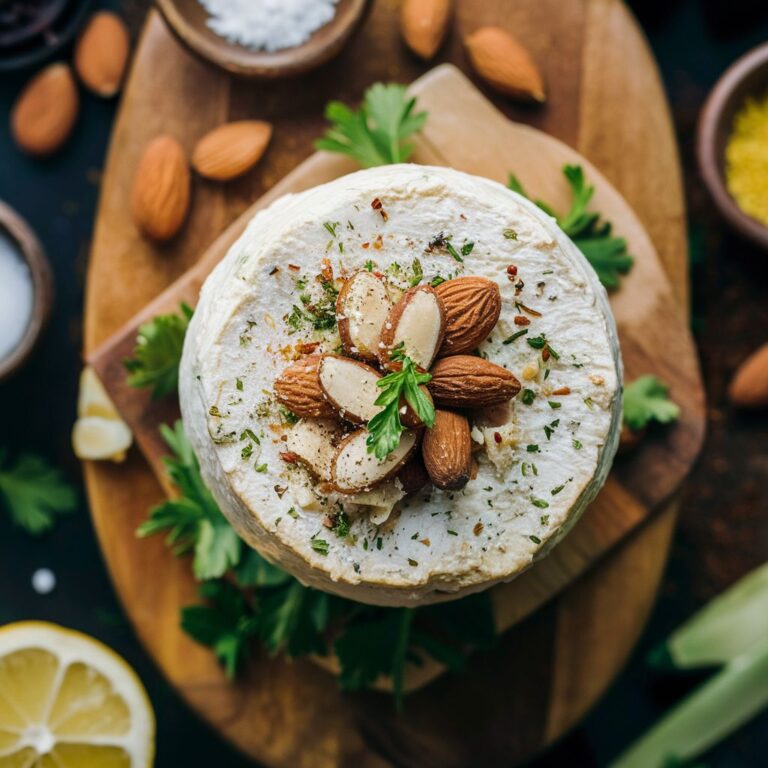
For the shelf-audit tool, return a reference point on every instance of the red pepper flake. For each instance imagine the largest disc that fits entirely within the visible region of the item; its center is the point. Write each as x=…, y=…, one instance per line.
x=380, y=275
x=478, y=529
x=562, y=391
x=294, y=267
x=366, y=246
x=378, y=206
x=545, y=354
x=378, y=243
x=274, y=271
x=289, y=457
x=511, y=272
x=307, y=347
x=522, y=320
x=497, y=438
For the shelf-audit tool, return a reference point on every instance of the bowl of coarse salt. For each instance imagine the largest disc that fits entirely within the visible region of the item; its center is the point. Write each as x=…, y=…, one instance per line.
x=26, y=290
x=264, y=39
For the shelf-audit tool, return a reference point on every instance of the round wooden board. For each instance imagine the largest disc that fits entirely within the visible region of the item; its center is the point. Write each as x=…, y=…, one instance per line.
x=547, y=671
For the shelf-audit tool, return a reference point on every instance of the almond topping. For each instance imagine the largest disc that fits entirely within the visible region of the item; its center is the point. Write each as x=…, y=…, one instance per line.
x=362, y=308
x=312, y=443
x=350, y=386
x=447, y=451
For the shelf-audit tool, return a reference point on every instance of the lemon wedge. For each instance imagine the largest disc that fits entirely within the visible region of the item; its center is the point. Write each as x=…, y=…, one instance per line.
x=68, y=701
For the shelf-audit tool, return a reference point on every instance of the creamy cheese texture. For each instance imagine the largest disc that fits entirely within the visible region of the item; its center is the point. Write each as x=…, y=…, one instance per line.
x=541, y=458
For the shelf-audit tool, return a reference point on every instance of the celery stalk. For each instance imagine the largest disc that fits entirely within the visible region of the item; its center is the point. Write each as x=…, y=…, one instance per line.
x=706, y=716
x=728, y=626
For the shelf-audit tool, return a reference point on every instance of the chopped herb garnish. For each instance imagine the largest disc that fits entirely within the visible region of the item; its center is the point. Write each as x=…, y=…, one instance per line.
x=515, y=336
x=537, y=342
x=413, y=563
x=557, y=490
x=450, y=248
x=369, y=266
x=467, y=248
x=533, y=448
x=239, y=385
x=261, y=468
x=341, y=524
x=331, y=227
x=535, y=539
x=247, y=451
x=319, y=545
x=577, y=444
x=437, y=280
x=554, y=405
x=528, y=396
x=510, y=234
x=418, y=273
x=452, y=533
x=540, y=503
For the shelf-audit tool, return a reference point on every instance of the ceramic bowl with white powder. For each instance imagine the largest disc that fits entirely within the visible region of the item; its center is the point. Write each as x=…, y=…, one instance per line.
x=25, y=290
x=264, y=38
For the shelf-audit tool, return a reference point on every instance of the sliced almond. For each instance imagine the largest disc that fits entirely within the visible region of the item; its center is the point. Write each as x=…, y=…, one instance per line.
x=94, y=437
x=465, y=381
x=92, y=399
x=472, y=308
x=416, y=322
x=447, y=451
x=350, y=386
x=362, y=308
x=313, y=442
x=299, y=390
x=355, y=470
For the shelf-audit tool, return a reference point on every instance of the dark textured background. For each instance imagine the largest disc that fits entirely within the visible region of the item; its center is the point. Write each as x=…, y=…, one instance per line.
x=723, y=530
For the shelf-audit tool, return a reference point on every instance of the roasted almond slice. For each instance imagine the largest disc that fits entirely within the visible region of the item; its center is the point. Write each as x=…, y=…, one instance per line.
x=299, y=390
x=362, y=308
x=472, y=307
x=465, y=381
x=313, y=442
x=417, y=322
x=447, y=451
x=355, y=470
x=413, y=476
x=350, y=386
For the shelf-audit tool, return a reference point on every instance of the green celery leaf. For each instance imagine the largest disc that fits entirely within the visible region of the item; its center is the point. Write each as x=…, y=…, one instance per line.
x=645, y=400
x=34, y=492
x=157, y=354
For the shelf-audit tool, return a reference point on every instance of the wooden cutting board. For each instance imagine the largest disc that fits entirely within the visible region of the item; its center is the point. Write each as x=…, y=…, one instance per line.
x=555, y=669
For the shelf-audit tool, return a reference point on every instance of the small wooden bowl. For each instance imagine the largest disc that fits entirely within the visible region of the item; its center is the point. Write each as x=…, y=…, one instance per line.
x=17, y=230
x=746, y=77
x=188, y=20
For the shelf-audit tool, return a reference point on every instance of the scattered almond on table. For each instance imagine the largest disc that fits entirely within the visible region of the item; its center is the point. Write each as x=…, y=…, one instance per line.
x=161, y=189
x=749, y=386
x=424, y=24
x=505, y=64
x=46, y=110
x=231, y=150
x=101, y=53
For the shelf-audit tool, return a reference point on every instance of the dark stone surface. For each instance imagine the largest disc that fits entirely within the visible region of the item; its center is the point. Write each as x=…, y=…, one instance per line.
x=723, y=530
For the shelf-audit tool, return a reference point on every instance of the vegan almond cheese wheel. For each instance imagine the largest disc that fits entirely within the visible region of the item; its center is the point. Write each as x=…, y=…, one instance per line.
x=540, y=457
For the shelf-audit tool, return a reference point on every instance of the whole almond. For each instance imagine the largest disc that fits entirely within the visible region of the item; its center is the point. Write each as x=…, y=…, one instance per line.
x=299, y=390
x=447, y=451
x=424, y=23
x=413, y=476
x=101, y=53
x=465, y=381
x=232, y=149
x=749, y=386
x=161, y=189
x=505, y=64
x=45, y=111
x=472, y=307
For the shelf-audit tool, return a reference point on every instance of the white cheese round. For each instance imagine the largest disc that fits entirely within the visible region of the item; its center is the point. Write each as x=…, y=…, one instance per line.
x=541, y=459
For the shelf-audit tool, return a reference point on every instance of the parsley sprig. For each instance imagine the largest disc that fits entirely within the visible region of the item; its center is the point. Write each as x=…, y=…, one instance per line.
x=606, y=253
x=157, y=354
x=256, y=602
x=647, y=399
x=193, y=520
x=377, y=133
x=34, y=492
x=385, y=427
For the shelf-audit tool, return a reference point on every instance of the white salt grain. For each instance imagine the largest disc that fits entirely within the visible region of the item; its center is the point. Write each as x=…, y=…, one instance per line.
x=16, y=296
x=43, y=581
x=269, y=25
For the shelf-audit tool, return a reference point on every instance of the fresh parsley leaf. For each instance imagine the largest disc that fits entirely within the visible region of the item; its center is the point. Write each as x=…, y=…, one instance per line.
x=254, y=571
x=385, y=427
x=34, y=492
x=377, y=133
x=607, y=254
x=226, y=624
x=157, y=354
x=647, y=399
x=193, y=521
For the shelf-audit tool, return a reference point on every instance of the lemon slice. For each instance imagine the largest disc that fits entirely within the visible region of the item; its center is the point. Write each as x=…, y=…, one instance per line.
x=68, y=701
